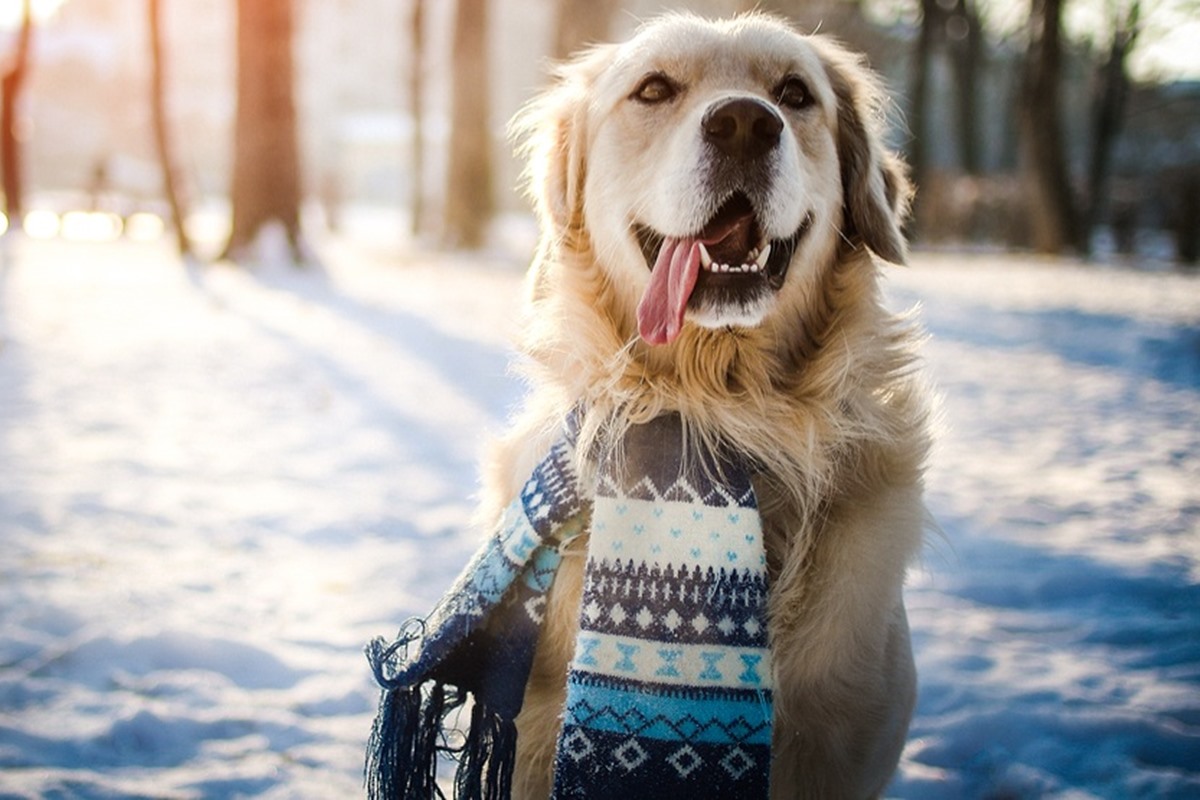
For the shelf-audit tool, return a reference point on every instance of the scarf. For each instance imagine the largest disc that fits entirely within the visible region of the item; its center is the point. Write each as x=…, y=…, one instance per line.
x=669, y=691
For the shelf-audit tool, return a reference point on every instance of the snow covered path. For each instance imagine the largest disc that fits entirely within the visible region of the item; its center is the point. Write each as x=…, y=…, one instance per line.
x=1057, y=626
x=216, y=486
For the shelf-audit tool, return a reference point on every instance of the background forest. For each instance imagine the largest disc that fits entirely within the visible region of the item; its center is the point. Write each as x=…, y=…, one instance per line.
x=1056, y=125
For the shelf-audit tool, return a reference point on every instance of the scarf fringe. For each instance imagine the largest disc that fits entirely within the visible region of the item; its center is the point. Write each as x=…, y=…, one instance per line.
x=487, y=759
x=408, y=735
x=402, y=753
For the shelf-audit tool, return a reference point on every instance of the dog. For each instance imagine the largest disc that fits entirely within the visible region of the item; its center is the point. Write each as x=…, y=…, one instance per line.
x=715, y=200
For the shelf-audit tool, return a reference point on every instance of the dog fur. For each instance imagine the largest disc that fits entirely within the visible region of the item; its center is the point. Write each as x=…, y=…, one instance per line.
x=816, y=381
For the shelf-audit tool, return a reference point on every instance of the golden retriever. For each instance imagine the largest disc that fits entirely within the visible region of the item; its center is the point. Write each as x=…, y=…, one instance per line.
x=713, y=197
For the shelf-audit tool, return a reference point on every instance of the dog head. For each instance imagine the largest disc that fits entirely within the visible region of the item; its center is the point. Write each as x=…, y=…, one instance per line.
x=706, y=166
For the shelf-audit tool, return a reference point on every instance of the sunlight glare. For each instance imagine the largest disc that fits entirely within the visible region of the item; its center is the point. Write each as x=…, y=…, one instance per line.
x=41, y=224
x=10, y=11
x=91, y=226
x=144, y=227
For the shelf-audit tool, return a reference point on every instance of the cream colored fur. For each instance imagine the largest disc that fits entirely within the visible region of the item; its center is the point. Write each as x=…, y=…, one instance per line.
x=821, y=390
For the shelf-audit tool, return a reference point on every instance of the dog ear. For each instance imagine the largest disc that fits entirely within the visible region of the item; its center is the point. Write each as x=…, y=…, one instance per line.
x=551, y=135
x=875, y=184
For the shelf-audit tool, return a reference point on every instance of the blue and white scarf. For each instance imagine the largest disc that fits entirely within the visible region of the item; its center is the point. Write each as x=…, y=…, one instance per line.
x=669, y=692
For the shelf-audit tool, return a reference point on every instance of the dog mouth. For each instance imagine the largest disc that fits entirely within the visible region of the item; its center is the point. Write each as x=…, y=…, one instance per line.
x=729, y=264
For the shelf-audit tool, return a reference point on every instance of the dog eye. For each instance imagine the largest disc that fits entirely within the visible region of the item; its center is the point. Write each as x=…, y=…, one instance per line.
x=793, y=93
x=655, y=88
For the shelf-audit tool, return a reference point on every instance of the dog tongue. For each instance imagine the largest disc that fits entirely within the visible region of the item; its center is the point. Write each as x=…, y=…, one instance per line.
x=660, y=313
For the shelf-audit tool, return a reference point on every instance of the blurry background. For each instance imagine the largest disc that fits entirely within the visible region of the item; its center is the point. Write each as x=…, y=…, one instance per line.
x=1057, y=125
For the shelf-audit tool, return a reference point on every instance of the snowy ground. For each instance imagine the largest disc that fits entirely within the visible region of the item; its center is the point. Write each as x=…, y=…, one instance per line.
x=215, y=486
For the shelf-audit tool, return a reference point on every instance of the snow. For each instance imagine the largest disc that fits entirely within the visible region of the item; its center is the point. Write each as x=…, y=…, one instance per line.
x=216, y=485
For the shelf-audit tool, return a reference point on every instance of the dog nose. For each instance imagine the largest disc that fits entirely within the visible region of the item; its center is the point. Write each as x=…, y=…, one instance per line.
x=742, y=127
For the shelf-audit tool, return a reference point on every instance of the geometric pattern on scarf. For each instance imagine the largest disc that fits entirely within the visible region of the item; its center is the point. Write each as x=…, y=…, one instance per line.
x=669, y=691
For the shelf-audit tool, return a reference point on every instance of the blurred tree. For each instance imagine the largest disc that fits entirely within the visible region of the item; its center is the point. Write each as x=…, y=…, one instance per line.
x=953, y=26
x=416, y=83
x=266, y=161
x=1183, y=213
x=1044, y=173
x=964, y=29
x=1110, y=94
x=11, y=84
x=469, y=200
x=162, y=138
x=582, y=22
x=922, y=63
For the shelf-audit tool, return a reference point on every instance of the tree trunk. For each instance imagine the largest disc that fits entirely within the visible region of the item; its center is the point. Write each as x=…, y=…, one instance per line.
x=416, y=86
x=1108, y=109
x=582, y=22
x=266, y=162
x=469, y=201
x=1184, y=216
x=10, y=146
x=1052, y=214
x=967, y=48
x=162, y=138
x=918, y=112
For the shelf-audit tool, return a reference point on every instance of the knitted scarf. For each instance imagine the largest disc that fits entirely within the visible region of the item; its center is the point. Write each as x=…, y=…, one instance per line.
x=669, y=691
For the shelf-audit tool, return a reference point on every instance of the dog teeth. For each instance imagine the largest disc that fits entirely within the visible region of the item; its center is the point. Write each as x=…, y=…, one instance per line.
x=761, y=260
x=756, y=261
